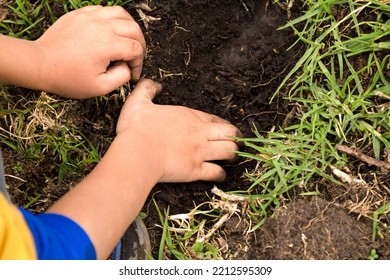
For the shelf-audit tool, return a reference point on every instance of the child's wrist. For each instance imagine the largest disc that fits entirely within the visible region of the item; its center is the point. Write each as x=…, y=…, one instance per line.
x=20, y=62
x=138, y=152
x=42, y=79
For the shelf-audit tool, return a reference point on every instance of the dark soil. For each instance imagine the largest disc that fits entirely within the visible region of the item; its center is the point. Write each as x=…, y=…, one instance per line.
x=222, y=59
x=315, y=229
x=225, y=58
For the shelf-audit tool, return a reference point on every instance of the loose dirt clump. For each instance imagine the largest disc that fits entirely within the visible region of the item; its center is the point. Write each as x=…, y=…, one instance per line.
x=315, y=229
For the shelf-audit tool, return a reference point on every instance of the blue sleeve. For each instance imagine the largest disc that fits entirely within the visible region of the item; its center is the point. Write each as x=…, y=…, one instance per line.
x=58, y=237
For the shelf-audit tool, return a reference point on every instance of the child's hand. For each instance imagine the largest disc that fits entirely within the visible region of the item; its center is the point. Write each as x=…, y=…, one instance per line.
x=154, y=143
x=91, y=51
x=179, y=142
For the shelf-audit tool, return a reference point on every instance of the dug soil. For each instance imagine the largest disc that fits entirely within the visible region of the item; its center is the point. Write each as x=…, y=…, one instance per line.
x=227, y=57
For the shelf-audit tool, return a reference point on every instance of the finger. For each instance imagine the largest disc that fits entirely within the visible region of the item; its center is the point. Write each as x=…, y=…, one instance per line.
x=215, y=119
x=126, y=49
x=132, y=52
x=114, y=12
x=210, y=117
x=211, y=172
x=136, y=69
x=128, y=29
x=116, y=75
x=222, y=132
x=221, y=150
x=88, y=9
x=146, y=89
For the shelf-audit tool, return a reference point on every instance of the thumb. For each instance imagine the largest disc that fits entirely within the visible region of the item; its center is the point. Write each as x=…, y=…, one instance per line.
x=145, y=90
x=143, y=93
x=117, y=74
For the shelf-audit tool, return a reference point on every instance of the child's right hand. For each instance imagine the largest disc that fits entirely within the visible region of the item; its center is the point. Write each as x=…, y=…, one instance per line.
x=90, y=52
x=154, y=143
x=179, y=142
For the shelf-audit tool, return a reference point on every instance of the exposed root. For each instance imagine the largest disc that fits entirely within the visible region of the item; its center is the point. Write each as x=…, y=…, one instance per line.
x=166, y=74
x=28, y=125
x=287, y=6
x=346, y=178
x=146, y=19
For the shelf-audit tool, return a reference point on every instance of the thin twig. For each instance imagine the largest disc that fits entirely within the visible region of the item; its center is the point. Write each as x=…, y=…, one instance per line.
x=358, y=154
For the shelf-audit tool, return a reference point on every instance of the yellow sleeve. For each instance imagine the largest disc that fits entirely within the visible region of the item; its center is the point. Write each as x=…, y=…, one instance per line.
x=16, y=240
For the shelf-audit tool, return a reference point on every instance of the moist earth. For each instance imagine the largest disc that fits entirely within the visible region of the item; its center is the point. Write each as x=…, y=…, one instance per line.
x=225, y=58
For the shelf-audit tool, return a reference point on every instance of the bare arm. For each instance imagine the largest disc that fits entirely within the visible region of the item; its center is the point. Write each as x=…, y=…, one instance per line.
x=20, y=62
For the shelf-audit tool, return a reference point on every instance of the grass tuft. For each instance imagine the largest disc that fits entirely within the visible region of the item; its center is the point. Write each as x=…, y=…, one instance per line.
x=341, y=95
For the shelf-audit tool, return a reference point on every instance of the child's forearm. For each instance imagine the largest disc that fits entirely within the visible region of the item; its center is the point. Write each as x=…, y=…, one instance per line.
x=20, y=63
x=108, y=200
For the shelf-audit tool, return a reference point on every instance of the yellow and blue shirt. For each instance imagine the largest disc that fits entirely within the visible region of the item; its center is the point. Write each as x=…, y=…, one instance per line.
x=24, y=235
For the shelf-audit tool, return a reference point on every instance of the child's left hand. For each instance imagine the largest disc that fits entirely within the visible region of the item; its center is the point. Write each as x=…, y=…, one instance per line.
x=90, y=52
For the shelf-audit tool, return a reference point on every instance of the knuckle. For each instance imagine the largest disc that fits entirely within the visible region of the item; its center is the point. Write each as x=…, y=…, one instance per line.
x=136, y=48
x=231, y=130
x=117, y=9
x=232, y=146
